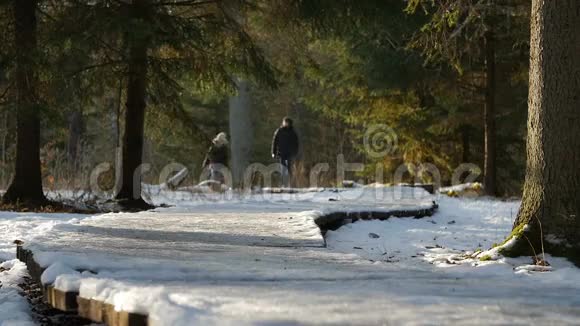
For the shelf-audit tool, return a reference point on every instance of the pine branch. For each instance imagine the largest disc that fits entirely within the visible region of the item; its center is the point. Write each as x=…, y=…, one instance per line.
x=94, y=66
x=6, y=90
x=186, y=3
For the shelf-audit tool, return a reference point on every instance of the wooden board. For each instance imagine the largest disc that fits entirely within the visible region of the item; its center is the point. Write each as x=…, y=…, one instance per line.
x=93, y=310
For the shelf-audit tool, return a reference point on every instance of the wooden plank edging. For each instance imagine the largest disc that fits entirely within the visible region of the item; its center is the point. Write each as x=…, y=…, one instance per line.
x=69, y=301
x=101, y=312
x=333, y=221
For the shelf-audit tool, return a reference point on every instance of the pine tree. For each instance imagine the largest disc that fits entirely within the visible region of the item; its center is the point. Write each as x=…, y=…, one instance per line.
x=468, y=35
x=155, y=45
x=26, y=186
x=549, y=216
x=355, y=68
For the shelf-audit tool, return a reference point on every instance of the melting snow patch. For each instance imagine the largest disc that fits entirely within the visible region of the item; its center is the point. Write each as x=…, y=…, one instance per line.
x=532, y=268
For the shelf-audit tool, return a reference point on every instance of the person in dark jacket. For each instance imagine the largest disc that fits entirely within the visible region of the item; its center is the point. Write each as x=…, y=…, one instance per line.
x=217, y=156
x=285, y=147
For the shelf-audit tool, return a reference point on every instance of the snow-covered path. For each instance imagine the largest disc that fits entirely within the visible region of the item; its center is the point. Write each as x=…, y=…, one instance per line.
x=262, y=262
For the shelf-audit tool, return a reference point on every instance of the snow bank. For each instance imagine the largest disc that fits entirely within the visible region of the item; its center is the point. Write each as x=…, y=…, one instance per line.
x=27, y=227
x=14, y=309
x=462, y=187
x=456, y=240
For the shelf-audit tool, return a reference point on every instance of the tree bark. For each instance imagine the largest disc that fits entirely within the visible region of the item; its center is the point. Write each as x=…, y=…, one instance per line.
x=241, y=131
x=489, y=118
x=129, y=194
x=26, y=186
x=551, y=199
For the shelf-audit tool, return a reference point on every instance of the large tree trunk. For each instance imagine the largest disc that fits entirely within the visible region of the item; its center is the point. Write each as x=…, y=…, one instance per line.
x=241, y=131
x=552, y=187
x=129, y=194
x=26, y=186
x=489, y=118
x=132, y=152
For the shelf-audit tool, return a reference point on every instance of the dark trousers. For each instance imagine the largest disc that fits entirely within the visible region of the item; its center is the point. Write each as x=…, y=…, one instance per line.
x=286, y=170
x=287, y=163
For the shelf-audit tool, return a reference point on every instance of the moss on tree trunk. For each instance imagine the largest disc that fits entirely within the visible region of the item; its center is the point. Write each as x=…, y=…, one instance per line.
x=551, y=199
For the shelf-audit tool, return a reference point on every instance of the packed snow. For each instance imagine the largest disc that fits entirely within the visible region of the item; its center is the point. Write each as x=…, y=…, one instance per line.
x=461, y=187
x=260, y=259
x=14, y=309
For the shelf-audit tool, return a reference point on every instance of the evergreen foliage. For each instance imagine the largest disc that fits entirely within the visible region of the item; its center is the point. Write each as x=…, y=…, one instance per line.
x=336, y=67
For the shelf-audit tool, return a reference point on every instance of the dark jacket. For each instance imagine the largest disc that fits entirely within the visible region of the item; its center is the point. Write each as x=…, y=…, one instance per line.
x=216, y=155
x=285, y=143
